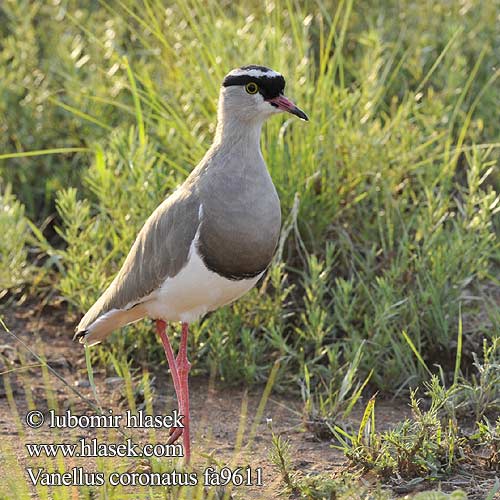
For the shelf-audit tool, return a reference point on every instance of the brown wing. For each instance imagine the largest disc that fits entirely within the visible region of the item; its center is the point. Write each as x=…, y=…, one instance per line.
x=159, y=251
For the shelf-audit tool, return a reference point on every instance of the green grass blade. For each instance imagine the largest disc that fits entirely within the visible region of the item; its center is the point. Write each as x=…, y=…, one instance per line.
x=458, y=357
x=263, y=401
x=367, y=415
x=42, y=152
x=90, y=373
x=137, y=103
x=417, y=354
x=81, y=114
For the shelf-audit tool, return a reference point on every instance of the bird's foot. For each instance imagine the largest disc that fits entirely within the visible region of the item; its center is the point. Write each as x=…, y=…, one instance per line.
x=175, y=434
x=182, y=366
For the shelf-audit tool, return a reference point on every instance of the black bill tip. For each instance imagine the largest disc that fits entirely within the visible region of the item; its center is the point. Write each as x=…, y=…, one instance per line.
x=298, y=112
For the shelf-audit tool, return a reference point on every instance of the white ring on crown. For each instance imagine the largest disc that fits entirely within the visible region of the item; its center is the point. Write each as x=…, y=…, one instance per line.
x=254, y=72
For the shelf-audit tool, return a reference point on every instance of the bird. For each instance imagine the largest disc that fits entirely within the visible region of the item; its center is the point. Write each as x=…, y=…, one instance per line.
x=210, y=241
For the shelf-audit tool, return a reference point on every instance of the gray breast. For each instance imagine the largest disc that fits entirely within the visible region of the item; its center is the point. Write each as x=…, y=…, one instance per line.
x=240, y=223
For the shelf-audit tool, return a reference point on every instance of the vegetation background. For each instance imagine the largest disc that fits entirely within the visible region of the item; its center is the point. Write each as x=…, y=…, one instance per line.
x=387, y=273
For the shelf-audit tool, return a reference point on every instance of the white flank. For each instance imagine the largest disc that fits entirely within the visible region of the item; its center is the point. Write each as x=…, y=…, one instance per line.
x=194, y=291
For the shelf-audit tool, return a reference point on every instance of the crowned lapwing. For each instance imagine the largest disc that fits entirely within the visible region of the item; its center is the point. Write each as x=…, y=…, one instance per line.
x=211, y=240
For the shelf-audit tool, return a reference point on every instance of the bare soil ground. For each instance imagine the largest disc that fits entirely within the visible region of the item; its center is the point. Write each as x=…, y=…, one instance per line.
x=216, y=410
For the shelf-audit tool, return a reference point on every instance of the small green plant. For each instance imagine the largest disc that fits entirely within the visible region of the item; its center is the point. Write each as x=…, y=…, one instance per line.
x=319, y=486
x=330, y=403
x=280, y=456
x=423, y=446
x=487, y=437
x=480, y=394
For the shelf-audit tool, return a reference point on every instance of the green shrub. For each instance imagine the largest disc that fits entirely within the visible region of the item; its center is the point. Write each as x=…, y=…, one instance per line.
x=14, y=267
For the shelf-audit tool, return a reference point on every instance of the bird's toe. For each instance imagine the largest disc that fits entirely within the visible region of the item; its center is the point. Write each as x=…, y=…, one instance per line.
x=175, y=435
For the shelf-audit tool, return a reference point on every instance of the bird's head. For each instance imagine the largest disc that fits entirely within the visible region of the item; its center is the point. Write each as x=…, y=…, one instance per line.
x=254, y=93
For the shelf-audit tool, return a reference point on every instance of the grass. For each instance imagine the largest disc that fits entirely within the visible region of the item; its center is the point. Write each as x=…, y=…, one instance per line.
x=395, y=171
x=388, y=262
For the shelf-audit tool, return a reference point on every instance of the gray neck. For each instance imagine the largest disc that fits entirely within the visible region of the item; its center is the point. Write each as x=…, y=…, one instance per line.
x=235, y=153
x=233, y=132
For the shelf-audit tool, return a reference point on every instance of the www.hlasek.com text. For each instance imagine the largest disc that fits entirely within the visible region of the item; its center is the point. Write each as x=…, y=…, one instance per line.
x=94, y=449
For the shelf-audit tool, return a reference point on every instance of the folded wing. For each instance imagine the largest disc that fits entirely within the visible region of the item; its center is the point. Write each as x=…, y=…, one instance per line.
x=160, y=251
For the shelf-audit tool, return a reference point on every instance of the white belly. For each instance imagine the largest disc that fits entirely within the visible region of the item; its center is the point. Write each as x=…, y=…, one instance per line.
x=194, y=291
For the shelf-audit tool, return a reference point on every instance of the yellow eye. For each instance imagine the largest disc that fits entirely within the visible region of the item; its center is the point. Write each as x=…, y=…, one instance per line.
x=252, y=88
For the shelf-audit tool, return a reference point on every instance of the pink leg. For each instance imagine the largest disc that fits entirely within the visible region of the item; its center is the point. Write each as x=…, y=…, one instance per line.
x=169, y=353
x=183, y=367
x=180, y=370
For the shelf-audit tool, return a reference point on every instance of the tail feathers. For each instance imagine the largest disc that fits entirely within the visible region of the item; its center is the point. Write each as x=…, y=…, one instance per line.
x=105, y=324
